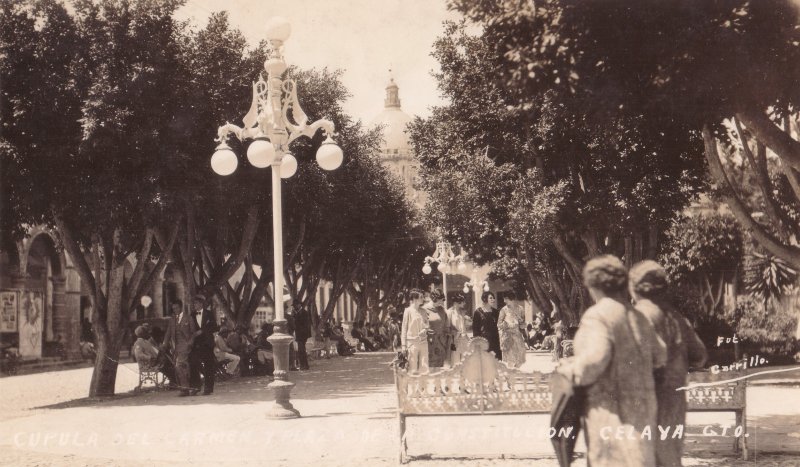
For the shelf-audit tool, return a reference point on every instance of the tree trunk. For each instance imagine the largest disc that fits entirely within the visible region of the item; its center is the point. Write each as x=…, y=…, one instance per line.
x=110, y=335
x=104, y=377
x=776, y=139
x=788, y=253
x=652, y=241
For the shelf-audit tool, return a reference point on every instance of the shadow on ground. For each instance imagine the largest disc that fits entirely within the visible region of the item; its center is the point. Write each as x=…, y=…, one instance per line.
x=339, y=377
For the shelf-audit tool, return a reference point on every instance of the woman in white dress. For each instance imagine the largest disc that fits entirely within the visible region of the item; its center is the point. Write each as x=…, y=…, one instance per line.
x=511, y=325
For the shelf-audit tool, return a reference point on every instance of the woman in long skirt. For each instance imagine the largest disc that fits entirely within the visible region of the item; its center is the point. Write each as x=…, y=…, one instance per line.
x=439, y=341
x=484, y=323
x=510, y=326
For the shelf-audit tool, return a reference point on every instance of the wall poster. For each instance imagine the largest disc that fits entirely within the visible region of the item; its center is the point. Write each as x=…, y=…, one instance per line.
x=9, y=309
x=31, y=317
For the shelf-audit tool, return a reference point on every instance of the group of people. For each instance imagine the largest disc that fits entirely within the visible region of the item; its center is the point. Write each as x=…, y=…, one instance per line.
x=186, y=351
x=241, y=354
x=632, y=351
x=433, y=337
x=504, y=329
x=195, y=350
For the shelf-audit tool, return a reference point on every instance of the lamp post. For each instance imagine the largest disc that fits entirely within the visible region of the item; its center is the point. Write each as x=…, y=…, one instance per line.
x=446, y=258
x=268, y=125
x=476, y=286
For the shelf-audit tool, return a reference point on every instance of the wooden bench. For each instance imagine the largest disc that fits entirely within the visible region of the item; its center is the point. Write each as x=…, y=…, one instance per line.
x=481, y=385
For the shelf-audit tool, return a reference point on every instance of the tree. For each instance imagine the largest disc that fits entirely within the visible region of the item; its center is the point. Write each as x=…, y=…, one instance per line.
x=221, y=217
x=99, y=147
x=697, y=63
x=768, y=328
x=541, y=180
x=703, y=253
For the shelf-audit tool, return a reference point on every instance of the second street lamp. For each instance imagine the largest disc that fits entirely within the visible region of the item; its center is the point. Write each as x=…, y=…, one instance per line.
x=446, y=258
x=268, y=125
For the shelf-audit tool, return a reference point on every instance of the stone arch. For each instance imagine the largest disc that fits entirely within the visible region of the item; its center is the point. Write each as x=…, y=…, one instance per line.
x=43, y=241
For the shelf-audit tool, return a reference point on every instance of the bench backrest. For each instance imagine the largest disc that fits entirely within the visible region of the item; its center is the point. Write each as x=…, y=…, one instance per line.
x=482, y=384
x=719, y=394
x=479, y=384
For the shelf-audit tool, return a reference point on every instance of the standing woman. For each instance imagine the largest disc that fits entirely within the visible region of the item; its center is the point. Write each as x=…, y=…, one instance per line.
x=459, y=324
x=648, y=286
x=439, y=340
x=414, y=333
x=616, y=351
x=511, y=328
x=484, y=323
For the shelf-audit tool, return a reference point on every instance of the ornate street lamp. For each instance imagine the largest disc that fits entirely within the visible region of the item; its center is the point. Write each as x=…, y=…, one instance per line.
x=268, y=125
x=474, y=283
x=447, y=259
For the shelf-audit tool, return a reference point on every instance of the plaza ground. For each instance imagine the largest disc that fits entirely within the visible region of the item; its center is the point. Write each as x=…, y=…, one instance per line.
x=348, y=407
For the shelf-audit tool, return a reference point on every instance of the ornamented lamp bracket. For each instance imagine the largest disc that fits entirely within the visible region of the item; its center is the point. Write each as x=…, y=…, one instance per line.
x=445, y=257
x=274, y=102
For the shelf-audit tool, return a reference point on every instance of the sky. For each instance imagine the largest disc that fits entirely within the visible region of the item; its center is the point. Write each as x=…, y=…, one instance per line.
x=364, y=38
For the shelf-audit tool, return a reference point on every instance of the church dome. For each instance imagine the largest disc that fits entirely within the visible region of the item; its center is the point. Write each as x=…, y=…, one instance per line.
x=393, y=120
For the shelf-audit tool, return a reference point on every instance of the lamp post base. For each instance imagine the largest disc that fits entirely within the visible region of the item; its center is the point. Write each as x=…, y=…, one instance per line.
x=282, y=408
x=281, y=386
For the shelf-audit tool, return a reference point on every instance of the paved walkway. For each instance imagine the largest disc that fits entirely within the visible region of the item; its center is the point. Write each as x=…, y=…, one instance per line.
x=348, y=407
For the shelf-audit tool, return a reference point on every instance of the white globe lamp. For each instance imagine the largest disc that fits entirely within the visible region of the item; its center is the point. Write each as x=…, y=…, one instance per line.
x=465, y=289
x=442, y=267
x=146, y=301
x=224, y=160
x=288, y=166
x=278, y=28
x=329, y=155
x=261, y=152
x=426, y=269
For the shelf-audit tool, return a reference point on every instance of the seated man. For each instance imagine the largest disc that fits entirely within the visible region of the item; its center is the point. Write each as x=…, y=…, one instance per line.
x=252, y=358
x=149, y=357
x=359, y=334
x=223, y=353
x=343, y=347
x=261, y=339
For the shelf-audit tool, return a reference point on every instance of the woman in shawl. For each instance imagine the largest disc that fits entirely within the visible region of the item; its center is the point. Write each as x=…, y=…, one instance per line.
x=648, y=286
x=616, y=352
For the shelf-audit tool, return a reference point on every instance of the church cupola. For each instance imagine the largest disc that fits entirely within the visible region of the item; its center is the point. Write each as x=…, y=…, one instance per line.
x=392, y=95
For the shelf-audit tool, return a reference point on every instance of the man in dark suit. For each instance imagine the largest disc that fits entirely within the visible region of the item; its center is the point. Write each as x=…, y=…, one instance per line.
x=302, y=332
x=202, y=358
x=180, y=337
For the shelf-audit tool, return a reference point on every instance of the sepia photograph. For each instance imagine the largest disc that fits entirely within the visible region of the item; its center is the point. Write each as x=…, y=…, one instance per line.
x=540, y=233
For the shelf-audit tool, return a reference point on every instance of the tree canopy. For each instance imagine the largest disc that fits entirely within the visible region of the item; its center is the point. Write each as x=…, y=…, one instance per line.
x=109, y=114
x=543, y=179
x=692, y=63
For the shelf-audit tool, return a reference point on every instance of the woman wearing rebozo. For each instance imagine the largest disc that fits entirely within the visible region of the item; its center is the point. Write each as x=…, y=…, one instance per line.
x=649, y=288
x=510, y=325
x=616, y=351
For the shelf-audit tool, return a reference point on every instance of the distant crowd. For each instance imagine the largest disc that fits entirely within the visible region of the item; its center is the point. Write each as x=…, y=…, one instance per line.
x=194, y=350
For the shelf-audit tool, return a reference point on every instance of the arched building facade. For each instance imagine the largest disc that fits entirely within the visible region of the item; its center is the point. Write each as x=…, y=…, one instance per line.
x=40, y=298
